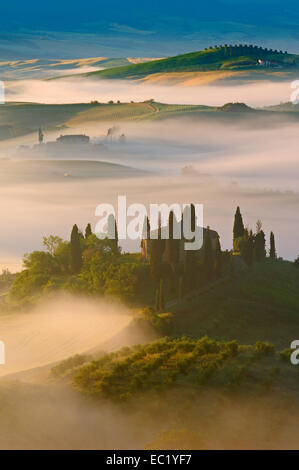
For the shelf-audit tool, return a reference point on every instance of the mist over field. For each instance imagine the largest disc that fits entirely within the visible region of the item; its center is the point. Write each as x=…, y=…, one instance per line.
x=254, y=93
x=58, y=328
x=252, y=163
x=208, y=421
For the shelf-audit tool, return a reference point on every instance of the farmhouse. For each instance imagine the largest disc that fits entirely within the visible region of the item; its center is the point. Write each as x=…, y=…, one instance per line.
x=73, y=139
x=146, y=245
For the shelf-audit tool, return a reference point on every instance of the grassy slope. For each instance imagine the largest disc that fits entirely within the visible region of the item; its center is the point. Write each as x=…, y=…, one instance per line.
x=135, y=112
x=261, y=304
x=213, y=59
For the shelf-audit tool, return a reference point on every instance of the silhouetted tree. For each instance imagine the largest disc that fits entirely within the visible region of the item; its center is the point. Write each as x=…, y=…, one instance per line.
x=157, y=247
x=172, y=246
x=76, y=253
x=88, y=231
x=208, y=262
x=218, y=258
x=112, y=231
x=272, y=251
x=238, y=229
x=260, y=246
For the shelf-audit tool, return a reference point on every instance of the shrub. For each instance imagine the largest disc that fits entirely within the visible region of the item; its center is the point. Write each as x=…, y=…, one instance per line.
x=264, y=348
x=68, y=364
x=285, y=354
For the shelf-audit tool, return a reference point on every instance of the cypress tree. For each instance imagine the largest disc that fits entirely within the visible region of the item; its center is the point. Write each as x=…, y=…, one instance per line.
x=146, y=231
x=208, y=262
x=218, y=258
x=112, y=231
x=88, y=231
x=272, y=246
x=250, y=259
x=172, y=247
x=260, y=246
x=156, y=255
x=238, y=229
x=76, y=252
x=190, y=261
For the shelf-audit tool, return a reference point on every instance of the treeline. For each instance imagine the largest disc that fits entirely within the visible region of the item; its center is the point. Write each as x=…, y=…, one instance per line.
x=243, y=49
x=84, y=264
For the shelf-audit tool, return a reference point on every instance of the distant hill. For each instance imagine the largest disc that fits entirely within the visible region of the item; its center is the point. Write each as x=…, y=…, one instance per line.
x=235, y=108
x=46, y=68
x=217, y=58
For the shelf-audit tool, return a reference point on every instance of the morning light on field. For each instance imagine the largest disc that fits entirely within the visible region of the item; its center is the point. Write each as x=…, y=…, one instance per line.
x=127, y=135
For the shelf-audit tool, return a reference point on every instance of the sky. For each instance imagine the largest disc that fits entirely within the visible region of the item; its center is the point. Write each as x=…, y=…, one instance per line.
x=65, y=28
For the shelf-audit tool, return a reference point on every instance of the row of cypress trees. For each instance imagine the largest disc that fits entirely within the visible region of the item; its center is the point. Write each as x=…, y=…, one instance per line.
x=165, y=262
x=251, y=246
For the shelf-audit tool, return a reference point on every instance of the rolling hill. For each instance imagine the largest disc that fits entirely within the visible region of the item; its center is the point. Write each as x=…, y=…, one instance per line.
x=218, y=58
x=21, y=119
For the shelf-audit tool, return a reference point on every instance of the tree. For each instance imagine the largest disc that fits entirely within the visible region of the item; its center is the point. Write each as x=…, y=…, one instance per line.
x=238, y=230
x=40, y=136
x=88, y=231
x=272, y=251
x=247, y=247
x=146, y=231
x=260, y=246
x=112, y=231
x=190, y=259
x=296, y=262
x=51, y=243
x=208, y=262
x=218, y=258
x=157, y=247
x=258, y=226
x=76, y=252
x=172, y=247
x=250, y=258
